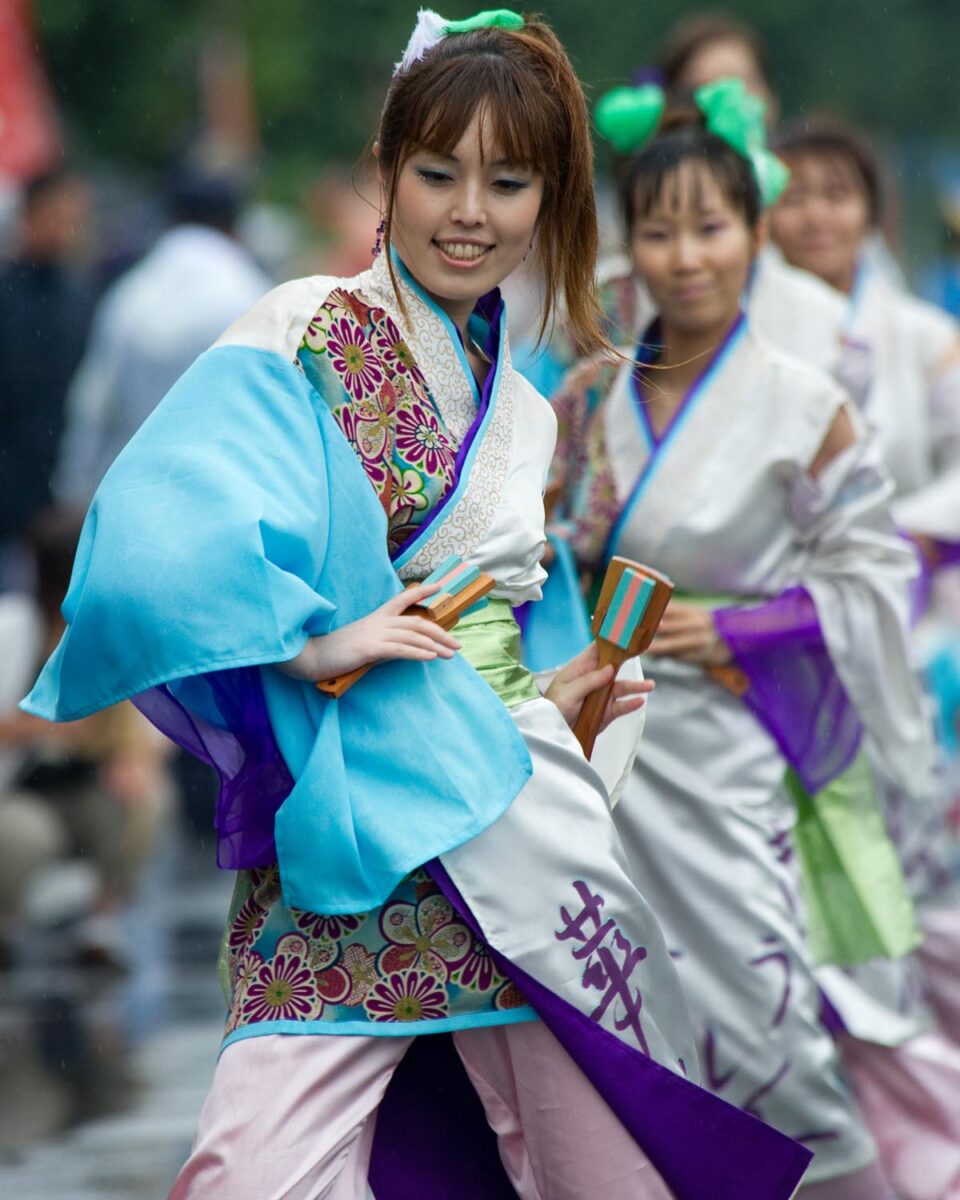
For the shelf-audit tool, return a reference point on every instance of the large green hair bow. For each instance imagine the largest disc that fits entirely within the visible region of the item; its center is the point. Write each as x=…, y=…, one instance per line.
x=735, y=115
x=628, y=118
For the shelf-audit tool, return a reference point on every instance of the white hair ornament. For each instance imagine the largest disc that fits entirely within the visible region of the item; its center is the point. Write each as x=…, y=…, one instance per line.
x=431, y=29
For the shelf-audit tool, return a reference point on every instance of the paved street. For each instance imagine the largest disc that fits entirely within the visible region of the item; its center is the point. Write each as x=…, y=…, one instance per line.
x=103, y=1076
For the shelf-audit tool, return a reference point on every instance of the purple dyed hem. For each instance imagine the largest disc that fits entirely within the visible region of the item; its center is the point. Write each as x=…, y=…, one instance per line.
x=795, y=692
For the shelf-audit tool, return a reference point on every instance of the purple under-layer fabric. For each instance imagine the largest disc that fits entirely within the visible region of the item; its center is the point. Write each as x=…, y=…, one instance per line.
x=948, y=553
x=254, y=779
x=701, y=1145
x=795, y=692
x=432, y=1138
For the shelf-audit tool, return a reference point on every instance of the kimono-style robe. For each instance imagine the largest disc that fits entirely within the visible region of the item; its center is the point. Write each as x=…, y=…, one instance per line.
x=807, y=579
x=444, y=855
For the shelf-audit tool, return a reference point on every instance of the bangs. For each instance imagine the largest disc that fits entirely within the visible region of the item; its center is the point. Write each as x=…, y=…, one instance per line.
x=841, y=168
x=684, y=186
x=844, y=153
x=678, y=171
x=513, y=125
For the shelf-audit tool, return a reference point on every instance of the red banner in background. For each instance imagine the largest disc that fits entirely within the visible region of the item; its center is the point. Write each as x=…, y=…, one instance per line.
x=29, y=129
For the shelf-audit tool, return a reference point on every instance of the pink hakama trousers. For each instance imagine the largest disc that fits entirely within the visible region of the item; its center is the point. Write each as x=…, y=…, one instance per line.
x=293, y=1118
x=940, y=961
x=910, y=1094
x=910, y=1098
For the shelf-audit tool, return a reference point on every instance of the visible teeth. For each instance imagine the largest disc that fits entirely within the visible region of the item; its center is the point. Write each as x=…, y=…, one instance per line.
x=462, y=250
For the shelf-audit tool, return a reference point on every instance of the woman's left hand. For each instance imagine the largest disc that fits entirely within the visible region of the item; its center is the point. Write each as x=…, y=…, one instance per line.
x=582, y=675
x=687, y=632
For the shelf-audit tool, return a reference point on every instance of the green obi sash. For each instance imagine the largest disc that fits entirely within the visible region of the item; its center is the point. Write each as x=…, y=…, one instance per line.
x=489, y=639
x=856, y=900
x=855, y=896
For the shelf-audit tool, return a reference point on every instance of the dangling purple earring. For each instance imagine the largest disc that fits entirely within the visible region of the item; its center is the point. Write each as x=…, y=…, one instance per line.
x=378, y=244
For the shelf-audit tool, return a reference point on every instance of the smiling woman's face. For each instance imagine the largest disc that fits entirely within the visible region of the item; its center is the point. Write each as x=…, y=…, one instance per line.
x=693, y=250
x=822, y=218
x=462, y=222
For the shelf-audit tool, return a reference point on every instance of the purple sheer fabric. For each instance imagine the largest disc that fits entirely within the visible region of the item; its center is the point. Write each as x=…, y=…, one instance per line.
x=921, y=587
x=795, y=692
x=239, y=743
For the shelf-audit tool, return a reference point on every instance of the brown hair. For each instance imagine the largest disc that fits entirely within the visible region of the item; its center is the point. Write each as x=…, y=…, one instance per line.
x=824, y=137
x=524, y=83
x=688, y=37
x=643, y=178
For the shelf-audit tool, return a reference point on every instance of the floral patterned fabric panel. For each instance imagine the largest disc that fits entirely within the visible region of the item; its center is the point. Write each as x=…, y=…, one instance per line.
x=354, y=355
x=411, y=962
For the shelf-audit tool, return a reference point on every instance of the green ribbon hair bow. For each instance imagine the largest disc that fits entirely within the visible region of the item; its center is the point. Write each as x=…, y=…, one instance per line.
x=490, y=18
x=628, y=118
x=431, y=28
x=735, y=115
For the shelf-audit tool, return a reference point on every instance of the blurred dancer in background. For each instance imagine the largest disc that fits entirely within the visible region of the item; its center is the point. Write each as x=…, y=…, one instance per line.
x=154, y=321
x=728, y=465
x=821, y=224
x=94, y=794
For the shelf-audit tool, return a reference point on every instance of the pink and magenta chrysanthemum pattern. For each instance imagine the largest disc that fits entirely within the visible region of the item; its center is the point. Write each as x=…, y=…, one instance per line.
x=413, y=960
x=385, y=409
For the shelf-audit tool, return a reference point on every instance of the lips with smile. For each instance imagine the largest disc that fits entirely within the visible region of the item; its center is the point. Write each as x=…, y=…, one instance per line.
x=462, y=254
x=690, y=293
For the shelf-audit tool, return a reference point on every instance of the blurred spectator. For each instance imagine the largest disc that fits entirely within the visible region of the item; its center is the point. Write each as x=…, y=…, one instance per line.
x=703, y=47
x=44, y=317
x=154, y=321
x=345, y=208
x=81, y=803
x=715, y=45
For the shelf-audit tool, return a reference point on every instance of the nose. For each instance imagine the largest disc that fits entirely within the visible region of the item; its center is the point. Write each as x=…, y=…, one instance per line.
x=686, y=253
x=468, y=204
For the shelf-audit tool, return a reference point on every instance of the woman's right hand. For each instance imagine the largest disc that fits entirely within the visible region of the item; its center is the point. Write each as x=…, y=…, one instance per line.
x=388, y=632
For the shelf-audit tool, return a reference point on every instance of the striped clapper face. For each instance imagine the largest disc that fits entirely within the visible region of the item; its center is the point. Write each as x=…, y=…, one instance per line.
x=630, y=601
x=453, y=576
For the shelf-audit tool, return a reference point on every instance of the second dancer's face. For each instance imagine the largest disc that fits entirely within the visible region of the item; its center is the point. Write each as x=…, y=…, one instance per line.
x=462, y=222
x=693, y=250
x=821, y=219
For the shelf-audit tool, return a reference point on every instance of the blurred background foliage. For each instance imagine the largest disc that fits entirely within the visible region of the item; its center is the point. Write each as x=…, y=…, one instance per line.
x=127, y=77
x=125, y=70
